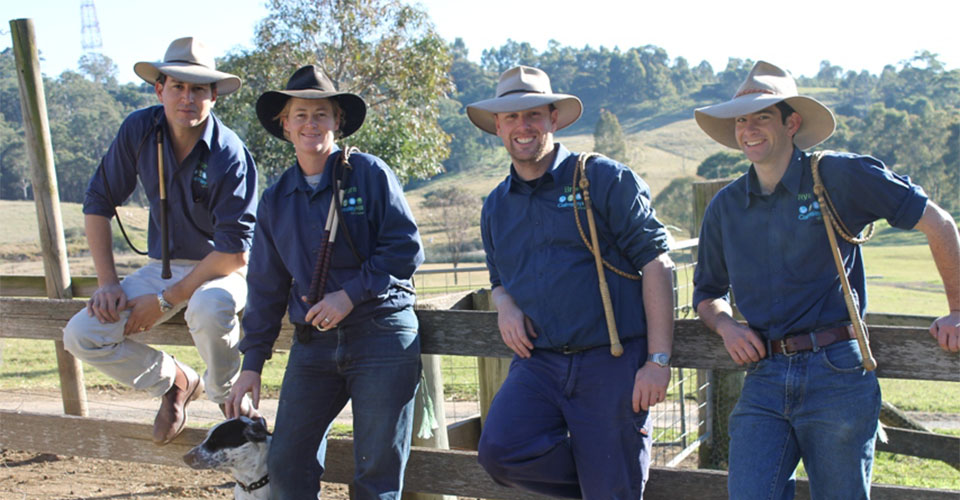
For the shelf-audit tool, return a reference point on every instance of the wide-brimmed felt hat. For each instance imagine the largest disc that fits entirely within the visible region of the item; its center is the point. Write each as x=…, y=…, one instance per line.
x=765, y=86
x=188, y=60
x=309, y=82
x=520, y=88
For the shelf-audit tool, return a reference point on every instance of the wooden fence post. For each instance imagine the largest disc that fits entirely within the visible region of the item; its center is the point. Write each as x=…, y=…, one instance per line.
x=491, y=371
x=47, y=198
x=721, y=388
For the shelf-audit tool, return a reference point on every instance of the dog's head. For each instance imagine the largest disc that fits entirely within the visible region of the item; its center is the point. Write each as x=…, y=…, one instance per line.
x=238, y=443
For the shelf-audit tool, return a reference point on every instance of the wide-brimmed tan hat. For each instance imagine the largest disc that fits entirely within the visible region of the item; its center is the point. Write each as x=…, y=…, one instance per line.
x=765, y=86
x=188, y=60
x=520, y=88
x=309, y=82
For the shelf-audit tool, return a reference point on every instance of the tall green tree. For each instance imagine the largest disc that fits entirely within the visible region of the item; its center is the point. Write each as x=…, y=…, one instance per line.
x=608, y=137
x=384, y=50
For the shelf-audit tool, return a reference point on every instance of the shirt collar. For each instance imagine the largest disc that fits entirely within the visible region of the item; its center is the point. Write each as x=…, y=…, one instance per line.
x=554, y=172
x=298, y=182
x=790, y=180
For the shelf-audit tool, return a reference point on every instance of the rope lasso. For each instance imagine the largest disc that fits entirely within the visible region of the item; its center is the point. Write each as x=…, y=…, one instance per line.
x=826, y=204
x=616, y=349
x=830, y=223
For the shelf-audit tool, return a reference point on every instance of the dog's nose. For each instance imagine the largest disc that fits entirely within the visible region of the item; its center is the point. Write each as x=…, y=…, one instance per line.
x=192, y=459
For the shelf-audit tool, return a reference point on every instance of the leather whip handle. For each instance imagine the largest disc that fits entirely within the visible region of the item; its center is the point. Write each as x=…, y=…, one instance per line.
x=318, y=281
x=615, y=348
x=164, y=228
x=869, y=363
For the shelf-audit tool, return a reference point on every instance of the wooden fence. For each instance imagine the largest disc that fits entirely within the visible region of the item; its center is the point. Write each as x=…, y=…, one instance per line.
x=902, y=352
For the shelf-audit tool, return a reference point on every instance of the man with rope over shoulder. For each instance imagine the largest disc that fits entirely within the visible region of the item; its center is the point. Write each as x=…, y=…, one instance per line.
x=571, y=419
x=770, y=237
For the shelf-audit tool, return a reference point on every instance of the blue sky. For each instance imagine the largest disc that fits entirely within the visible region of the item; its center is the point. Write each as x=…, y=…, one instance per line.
x=795, y=34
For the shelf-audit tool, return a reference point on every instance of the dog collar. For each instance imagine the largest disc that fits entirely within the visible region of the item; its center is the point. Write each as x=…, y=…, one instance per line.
x=256, y=485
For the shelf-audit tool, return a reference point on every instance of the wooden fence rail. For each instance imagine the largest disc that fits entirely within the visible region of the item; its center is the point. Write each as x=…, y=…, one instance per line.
x=901, y=352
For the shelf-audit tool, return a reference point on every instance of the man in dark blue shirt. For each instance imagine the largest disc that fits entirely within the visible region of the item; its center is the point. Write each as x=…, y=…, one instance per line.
x=806, y=395
x=357, y=337
x=210, y=183
x=570, y=419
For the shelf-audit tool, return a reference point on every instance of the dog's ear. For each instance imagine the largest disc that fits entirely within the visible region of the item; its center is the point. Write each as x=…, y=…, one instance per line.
x=256, y=432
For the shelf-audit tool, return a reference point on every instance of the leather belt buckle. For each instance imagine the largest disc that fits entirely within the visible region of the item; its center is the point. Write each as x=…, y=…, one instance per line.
x=785, y=349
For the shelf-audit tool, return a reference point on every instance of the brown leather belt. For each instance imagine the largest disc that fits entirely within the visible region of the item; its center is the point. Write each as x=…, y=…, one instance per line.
x=808, y=341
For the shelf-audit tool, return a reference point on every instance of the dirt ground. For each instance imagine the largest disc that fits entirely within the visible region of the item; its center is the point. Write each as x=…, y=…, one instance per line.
x=30, y=476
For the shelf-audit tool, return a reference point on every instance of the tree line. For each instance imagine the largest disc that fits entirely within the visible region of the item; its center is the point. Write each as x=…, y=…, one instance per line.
x=416, y=86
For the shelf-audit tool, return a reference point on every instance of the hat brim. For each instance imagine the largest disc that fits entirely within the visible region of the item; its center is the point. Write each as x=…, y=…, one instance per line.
x=482, y=113
x=718, y=121
x=190, y=73
x=271, y=103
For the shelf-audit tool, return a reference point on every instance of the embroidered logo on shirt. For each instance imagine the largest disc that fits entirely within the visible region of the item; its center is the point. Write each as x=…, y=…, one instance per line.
x=809, y=211
x=352, y=203
x=199, y=184
x=566, y=200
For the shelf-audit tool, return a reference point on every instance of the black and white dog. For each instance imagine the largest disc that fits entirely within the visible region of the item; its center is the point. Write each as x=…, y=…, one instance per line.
x=238, y=446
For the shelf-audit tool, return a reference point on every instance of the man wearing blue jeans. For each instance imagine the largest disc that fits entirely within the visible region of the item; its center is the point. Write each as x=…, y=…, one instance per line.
x=570, y=420
x=357, y=340
x=806, y=395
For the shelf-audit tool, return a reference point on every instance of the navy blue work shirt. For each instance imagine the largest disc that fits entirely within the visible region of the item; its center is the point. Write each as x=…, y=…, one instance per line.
x=211, y=196
x=773, y=249
x=290, y=232
x=533, y=249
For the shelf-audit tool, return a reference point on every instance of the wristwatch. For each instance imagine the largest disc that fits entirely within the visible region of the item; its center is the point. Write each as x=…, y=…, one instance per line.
x=660, y=358
x=164, y=305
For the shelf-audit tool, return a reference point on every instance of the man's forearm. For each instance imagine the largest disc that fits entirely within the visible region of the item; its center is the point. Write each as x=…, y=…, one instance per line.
x=658, y=303
x=714, y=313
x=944, y=243
x=100, y=241
x=214, y=265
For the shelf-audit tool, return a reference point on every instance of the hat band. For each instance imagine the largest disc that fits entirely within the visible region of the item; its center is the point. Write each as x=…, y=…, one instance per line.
x=521, y=91
x=752, y=91
x=184, y=61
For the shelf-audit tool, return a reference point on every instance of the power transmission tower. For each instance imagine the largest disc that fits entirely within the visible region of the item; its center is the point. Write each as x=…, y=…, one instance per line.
x=90, y=30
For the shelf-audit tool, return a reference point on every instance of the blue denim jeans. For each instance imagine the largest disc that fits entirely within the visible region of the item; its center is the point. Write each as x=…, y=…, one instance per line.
x=563, y=425
x=375, y=365
x=820, y=407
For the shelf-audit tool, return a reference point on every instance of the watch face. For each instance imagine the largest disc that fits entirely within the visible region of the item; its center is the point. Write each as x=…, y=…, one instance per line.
x=660, y=358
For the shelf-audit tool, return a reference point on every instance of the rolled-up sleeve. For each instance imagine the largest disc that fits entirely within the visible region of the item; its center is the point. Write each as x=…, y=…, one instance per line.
x=234, y=212
x=640, y=236
x=118, y=169
x=710, y=278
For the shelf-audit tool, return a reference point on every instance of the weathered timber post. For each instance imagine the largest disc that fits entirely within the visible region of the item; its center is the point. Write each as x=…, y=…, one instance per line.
x=34, y=108
x=491, y=371
x=721, y=388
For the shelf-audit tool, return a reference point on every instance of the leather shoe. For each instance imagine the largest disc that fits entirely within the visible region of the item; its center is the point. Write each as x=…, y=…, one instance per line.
x=172, y=416
x=246, y=409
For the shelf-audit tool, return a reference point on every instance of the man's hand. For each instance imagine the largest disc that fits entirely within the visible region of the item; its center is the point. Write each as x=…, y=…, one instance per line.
x=946, y=329
x=650, y=386
x=330, y=311
x=107, y=302
x=247, y=381
x=144, y=313
x=742, y=343
x=516, y=329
